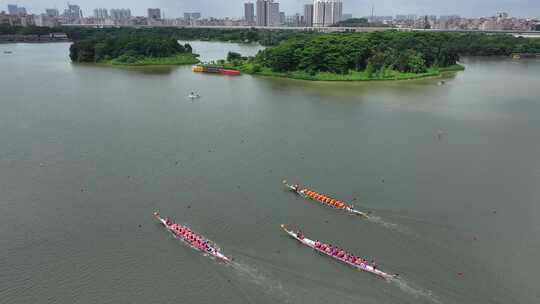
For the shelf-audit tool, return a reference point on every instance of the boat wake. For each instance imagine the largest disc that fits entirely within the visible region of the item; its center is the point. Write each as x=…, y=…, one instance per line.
x=416, y=292
x=392, y=226
x=256, y=277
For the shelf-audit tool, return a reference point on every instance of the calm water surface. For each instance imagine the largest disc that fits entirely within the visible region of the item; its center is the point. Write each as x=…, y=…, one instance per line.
x=88, y=153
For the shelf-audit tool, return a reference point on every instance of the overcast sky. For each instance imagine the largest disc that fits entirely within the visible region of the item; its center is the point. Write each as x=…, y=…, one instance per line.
x=234, y=8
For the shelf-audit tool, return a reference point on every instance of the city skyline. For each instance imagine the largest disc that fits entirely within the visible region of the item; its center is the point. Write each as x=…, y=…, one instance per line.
x=234, y=8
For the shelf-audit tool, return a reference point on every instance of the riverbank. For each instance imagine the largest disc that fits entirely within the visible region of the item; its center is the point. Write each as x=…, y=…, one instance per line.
x=33, y=38
x=388, y=75
x=180, y=59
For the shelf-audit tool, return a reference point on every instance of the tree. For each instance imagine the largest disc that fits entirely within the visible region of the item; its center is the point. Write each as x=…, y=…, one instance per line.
x=369, y=70
x=416, y=64
x=353, y=22
x=232, y=56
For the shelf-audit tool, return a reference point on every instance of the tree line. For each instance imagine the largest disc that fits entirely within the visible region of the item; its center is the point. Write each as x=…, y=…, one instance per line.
x=263, y=37
x=6, y=29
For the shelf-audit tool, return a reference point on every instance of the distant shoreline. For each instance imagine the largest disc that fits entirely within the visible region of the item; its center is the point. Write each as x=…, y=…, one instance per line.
x=31, y=39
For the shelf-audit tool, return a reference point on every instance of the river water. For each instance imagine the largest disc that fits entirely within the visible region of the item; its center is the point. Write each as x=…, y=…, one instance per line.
x=450, y=172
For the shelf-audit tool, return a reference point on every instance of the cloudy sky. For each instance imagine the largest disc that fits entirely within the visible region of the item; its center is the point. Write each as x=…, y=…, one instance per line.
x=233, y=8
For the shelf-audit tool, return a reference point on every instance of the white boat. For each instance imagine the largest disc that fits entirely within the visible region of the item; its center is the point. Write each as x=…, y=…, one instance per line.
x=211, y=248
x=327, y=201
x=363, y=266
x=193, y=96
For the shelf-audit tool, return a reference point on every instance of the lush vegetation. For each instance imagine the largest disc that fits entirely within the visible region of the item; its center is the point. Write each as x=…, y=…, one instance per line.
x=264, y=37
x=376, y=56
x=180, y=59
x=132, y=50
x=157, y=46
x=493, y=45
x=356, y=22
x=27, y=30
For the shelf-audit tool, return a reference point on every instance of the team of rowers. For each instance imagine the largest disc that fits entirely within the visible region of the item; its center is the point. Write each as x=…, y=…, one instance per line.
x=339, y=253
x=190, y=237
x=321, y=198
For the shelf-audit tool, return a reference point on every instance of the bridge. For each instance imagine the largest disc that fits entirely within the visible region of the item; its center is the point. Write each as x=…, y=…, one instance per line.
x=528, y=34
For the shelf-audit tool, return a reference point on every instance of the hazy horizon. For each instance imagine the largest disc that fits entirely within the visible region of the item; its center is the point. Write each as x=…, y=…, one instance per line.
x=234, y=8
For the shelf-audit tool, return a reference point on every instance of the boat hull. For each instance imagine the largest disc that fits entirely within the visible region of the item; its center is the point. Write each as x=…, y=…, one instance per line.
x=347, y=209
x=363, y=267
x=215, y=254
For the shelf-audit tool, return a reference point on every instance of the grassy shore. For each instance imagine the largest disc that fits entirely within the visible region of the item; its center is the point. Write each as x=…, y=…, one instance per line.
x=351, y=76
x=180, y=59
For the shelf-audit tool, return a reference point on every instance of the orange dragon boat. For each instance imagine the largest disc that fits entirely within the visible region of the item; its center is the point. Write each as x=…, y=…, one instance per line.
x=325, y=200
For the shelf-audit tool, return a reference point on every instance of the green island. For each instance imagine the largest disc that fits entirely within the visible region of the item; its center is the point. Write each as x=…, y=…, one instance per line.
x=132, y=50
x=388, y=55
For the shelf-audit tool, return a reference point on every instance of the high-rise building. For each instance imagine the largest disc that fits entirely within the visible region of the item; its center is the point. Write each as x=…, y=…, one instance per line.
x=120, y=13
x=308, y=15
x=274, y=16
x=268, y=13
x=337, y=11
x=294, y=20
x=101, y=13
x=262, y=12
x=282, y=18
x=192, y=16
x=446, y=18
x=249, y=13
x=154, y=13
x=327, y=12
x=14, y=9
x=502, y=15
x=52, y=12
x=73, y=14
